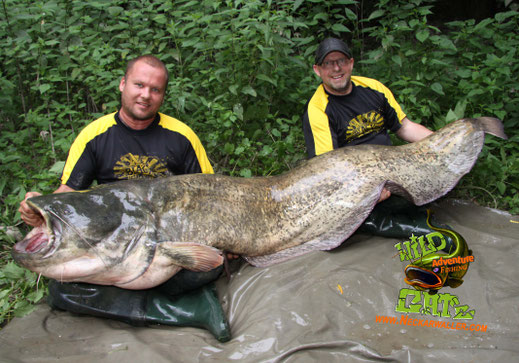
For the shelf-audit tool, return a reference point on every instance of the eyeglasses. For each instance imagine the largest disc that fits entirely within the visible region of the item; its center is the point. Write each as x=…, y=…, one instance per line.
x=331, y=64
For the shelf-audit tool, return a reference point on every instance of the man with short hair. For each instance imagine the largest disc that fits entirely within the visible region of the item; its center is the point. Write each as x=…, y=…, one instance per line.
x=135, y=142
x=138, y=142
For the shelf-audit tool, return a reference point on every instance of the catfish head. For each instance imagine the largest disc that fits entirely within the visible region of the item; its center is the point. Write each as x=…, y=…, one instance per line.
x=89, y=236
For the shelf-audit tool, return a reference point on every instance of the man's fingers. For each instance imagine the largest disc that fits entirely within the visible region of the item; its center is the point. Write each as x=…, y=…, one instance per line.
x=30, y=195
x=29, y=215
x=384, y=195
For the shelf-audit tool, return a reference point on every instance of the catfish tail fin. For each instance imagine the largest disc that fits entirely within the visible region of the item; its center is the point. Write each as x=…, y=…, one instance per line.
x=491, y=126
x=433, y=166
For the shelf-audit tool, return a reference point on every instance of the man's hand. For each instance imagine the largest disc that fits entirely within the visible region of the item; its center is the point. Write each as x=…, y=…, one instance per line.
x=29, y=215
x=384, y=195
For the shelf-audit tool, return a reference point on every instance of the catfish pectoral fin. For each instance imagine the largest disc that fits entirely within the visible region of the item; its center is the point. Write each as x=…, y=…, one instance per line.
x=191, y=256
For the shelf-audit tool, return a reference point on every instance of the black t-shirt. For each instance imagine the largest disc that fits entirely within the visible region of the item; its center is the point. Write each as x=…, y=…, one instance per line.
x=107, y=150
x=362, y=116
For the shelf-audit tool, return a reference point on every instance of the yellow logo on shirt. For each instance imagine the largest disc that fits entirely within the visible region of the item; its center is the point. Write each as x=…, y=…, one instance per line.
x=138, y=167
x=364, y=124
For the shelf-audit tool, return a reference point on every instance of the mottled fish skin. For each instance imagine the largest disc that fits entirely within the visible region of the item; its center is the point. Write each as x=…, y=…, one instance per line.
x=133, y=227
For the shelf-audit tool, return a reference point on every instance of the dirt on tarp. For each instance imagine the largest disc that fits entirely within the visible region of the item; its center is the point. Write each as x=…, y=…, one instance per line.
x=347, y=305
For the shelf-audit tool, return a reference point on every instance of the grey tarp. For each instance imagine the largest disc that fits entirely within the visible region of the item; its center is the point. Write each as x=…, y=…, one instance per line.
x=319, y=307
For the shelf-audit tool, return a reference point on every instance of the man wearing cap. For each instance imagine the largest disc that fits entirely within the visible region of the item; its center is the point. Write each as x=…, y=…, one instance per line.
x=348, y=110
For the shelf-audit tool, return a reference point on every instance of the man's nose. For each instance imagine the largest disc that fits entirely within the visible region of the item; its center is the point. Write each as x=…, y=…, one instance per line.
x=145, y=92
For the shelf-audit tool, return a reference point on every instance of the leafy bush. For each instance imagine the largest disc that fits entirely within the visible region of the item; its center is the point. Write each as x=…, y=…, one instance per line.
x=19, y=288
x=466, y=70
x=240, y=75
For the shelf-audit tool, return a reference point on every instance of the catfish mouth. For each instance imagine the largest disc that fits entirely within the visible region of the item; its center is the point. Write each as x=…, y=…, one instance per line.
x=42, y=239
x=419, y=277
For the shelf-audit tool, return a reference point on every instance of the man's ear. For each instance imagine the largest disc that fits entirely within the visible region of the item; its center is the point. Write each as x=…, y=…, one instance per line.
x=122, y=83
x=317, y=70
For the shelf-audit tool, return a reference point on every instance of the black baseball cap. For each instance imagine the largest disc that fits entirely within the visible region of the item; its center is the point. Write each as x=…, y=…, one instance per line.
x=330, y=45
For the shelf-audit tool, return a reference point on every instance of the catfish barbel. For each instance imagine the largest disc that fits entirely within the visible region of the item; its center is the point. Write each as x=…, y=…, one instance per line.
x=137, y=234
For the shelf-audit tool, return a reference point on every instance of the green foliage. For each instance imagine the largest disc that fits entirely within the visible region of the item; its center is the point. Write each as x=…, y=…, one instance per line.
x=465, y=70
x=17, y=291
x=240, y=75
x=18, y=287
